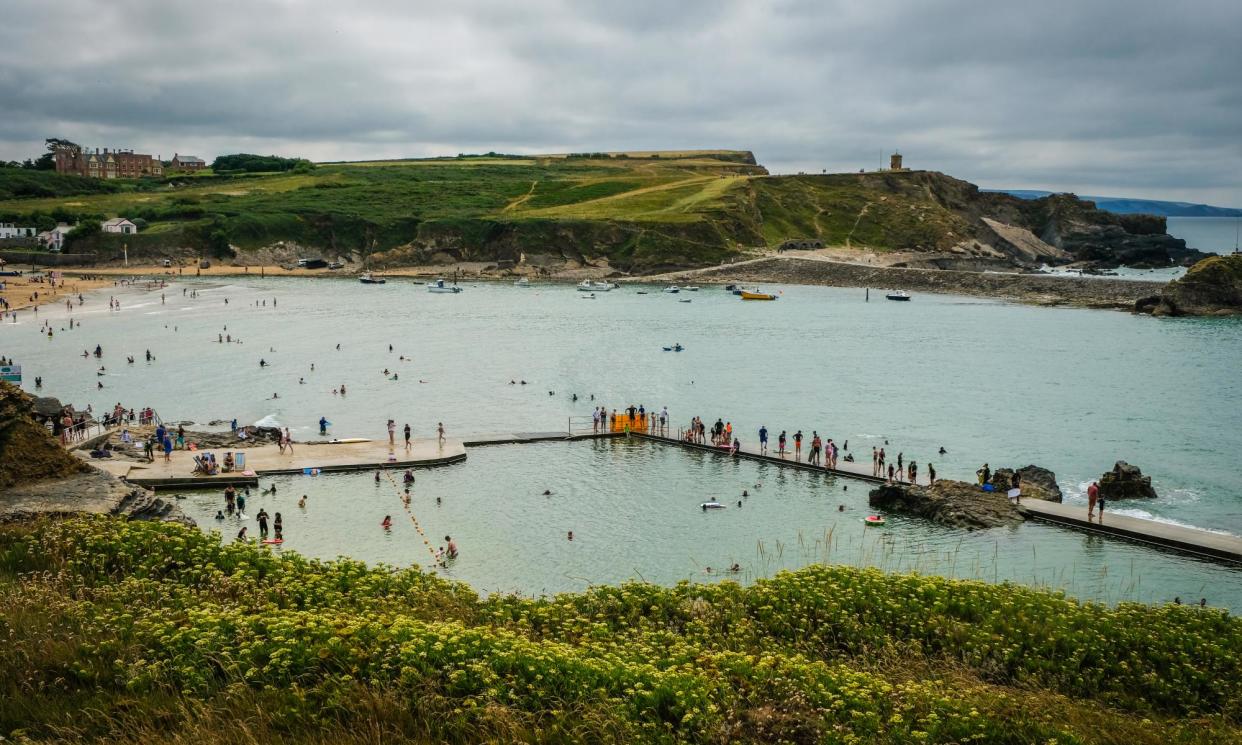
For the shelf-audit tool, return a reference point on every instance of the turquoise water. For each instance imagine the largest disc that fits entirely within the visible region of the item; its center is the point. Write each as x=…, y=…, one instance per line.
x=1072, y=390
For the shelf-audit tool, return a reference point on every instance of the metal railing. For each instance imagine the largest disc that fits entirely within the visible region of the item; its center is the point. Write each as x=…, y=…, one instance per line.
x=83, y=431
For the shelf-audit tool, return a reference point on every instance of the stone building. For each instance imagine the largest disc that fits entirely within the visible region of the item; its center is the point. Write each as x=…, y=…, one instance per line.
x=894, y=162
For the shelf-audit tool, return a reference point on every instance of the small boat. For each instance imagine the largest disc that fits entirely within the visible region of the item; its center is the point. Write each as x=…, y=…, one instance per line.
x=691, y=288
x=674, y=348
x=899, y=295
x=588, y=286
x=440, y=286
x=588, y=297
x=672, y=290
x=712, y=505
x=687, y=300
x=873, y=520
x=756, y=295
x=523, y=282
x=641, y=292
x=368, y=279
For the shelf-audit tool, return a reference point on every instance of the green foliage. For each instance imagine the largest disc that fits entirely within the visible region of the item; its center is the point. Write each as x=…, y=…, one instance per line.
x=26, y=183
x=144, y=611
x=247, y=162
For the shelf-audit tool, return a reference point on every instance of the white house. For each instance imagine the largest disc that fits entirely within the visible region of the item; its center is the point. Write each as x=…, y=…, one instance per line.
x=10, y=230
x=54, y=239
x=119, y=225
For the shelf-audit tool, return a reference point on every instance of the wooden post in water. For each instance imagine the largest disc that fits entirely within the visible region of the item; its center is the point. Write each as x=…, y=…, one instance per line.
x=868, y=298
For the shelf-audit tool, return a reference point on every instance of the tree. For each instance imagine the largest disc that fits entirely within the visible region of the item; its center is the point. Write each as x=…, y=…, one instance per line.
x=56, y=144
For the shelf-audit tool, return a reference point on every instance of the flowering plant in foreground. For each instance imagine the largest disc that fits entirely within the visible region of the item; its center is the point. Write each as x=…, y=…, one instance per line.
x=816, y=653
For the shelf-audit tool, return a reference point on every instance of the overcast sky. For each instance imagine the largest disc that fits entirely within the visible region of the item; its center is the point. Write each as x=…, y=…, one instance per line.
x=1112, y=97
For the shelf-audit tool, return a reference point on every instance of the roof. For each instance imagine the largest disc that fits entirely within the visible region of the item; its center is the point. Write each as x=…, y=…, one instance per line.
x=188, y=159
x=116, y=221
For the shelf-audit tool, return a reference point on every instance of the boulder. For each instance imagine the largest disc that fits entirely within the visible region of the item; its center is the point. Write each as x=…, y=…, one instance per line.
x=953, y=503
x=1211, y=287
x=1125, y=482
x=1036, y=482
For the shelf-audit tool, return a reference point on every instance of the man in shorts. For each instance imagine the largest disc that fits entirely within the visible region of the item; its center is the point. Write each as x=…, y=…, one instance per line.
x=1093, y=496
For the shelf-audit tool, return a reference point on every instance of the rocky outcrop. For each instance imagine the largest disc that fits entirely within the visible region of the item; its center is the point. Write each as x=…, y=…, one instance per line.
x=40, y=477
x=1022, y=245
x=91, y=491
x=28, y=452
x=1105, y=239
x=953, y=503
x=1211, y=287
x=1035, y=482
x=1125, y=482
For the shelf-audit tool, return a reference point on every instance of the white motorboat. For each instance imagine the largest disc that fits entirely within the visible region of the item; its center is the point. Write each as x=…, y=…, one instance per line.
x=900, y=295
x=370, y=279
x=440, y=286
x=690, y=288
x=673, y=290
x=523, y=282
x=588, y=286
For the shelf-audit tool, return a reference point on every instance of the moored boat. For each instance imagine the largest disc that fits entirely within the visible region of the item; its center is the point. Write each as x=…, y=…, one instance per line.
x=523, y=282
x=756, y=295
x=369, y=279
x=901, y=295
x=588, y=286
x=440, y=286
x=673, y=289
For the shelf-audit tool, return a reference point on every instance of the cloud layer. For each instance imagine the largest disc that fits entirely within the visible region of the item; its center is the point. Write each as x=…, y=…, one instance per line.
x=1124, y=97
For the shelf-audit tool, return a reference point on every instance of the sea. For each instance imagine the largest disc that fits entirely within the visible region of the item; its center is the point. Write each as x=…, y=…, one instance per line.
x=1072, y=390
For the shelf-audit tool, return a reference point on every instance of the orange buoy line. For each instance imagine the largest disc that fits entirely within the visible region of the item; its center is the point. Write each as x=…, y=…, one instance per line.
x=434, y=559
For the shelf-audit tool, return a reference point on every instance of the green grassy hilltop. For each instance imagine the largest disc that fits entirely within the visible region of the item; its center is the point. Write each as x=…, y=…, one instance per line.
x=138, y=632
x=641, y=211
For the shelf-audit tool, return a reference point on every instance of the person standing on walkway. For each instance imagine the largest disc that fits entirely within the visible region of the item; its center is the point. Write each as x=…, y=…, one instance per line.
x=780, y=444
x=931, y=474
x=1093, y=495
x=798, y=445
x=816, y=443
x=900, y=458
x=392, y=434
x=882, y=457
x=890, y=473
x=875, y=461
x=914, y=473
x=440, y=433
x=407, y=437
x=763, y=440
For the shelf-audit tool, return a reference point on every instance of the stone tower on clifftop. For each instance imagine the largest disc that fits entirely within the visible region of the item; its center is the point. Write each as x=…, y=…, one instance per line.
x=894, y=162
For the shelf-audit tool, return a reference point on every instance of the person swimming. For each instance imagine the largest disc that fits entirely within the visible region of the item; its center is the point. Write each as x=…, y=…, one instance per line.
x=387, y=524
x=219, y=515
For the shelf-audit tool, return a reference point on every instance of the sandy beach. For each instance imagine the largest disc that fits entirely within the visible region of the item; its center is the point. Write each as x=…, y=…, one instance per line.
x=20, y=292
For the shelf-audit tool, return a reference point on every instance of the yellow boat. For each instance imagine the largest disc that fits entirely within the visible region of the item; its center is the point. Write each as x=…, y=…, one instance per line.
x=756, y=295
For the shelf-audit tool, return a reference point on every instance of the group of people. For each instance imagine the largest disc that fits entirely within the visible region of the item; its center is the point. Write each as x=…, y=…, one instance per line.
x=235, y=504
x=630, y=419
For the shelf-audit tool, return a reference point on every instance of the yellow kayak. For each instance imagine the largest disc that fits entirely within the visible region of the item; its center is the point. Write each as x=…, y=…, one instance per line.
x=748, y=295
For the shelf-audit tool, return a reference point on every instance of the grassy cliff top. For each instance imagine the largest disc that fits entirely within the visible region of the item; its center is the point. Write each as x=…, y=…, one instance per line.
x=138, y=632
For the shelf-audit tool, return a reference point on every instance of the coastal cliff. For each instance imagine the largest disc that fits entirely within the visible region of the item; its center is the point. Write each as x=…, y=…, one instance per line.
x=632, y=213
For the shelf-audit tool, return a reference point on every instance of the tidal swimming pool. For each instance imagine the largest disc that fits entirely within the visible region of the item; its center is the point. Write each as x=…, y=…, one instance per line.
x=634, y=511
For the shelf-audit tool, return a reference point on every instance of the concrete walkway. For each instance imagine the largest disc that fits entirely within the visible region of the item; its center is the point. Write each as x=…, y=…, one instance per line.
x=267, y=460
x=857, y=470
x=1152, y=532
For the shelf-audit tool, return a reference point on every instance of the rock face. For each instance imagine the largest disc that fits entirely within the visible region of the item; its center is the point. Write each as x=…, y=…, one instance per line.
x=40, y=477
x=1037, y=483
x=953, y=503
x=28, y=452
x=1126, y=482
x=1211, y=287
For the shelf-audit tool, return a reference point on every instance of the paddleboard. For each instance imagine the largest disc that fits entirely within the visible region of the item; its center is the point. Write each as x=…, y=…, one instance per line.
x=273, y=541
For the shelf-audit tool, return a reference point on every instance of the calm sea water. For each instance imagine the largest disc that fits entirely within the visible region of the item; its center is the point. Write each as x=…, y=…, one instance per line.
x=1072, y=390
x=1214, y=234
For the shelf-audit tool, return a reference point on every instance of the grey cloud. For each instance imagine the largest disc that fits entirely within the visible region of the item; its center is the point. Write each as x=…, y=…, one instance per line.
x=1112, y=96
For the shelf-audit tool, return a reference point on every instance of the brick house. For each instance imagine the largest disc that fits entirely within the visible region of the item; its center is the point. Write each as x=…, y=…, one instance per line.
x=107, y=164
x=186, y=163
